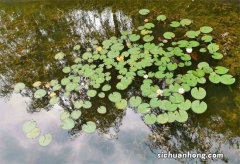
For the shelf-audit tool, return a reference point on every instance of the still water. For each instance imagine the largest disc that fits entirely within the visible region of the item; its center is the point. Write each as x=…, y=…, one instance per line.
x=32, y=32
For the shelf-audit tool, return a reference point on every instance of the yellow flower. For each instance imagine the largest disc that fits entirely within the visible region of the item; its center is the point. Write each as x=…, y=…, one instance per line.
x=160, y=92
x=52, y=94
x=99, y=49
x=120, y=58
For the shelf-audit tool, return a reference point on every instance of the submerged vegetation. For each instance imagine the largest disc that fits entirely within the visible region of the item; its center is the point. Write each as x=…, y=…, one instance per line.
x=170, y=71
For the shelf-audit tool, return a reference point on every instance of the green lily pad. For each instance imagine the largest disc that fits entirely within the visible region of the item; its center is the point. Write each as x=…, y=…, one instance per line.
x=221, y=70
x=175, y=24
x=89, y=127
x=199, y=107
x=106, y=87
x=19, y=87
x=182, y=116
x=64, y=115
x=168, y=35
x=87, y=104
x=148, y=38
x=59, y=56
x=102, y=109
x=207, y=38
x=144, y=11
x=40, y=93
x=54, y=100
x=198, y=93
x=185, y=105
x=76, y=114
x=150, y=119
x=185, y=22
x=161, y=18
x=134, y=37
x=162, y=118
x=206, y=29
x=77, y=47
x=192, y=34
x=213, y=47
x=78, y=104
x=67, y=124
x=214, y=78
x=144, y=108
x=34, y=133
x=135, y=101
x=227, y=79
x=115, y=97
x=121, y=104
x=45, y=140
x=91, y=93
x=101, y=95
x=28, y=126
x=217, y=56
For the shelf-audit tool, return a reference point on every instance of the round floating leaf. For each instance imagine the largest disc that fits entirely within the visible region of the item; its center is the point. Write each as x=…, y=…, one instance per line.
x=134, y=37
x=67, y=124
x=175, y=24
x=207, y=38
x=115, y=97
x=217, y=56
x=161, y=18
x=182, y=116
x=76, y=114
x=77, y=47
x=101, y=95
x=185, y=22
x=213, y=47
x=148, y=38
x=78, y=104
x=185, y=105
x=64, y=115
x=221, y=70
x=45, y=140
x=28, y=126
x=40, y=93
x=168, y=35
x=59, y=56
x=106, y=87
x=144, y=11
x=54, y=100
x=171, y=117
x=192, y=34
x=102, y=109
x=206, y=29
x=135, y=101
x=227, y=79
x=122, y=104
x=89, y=127
x=19, y=87
x=162, y=118
x=144, y=108
x=198, y=93
x=87, y=104
x=150, y=119
x=91, y=93
x=33, y=133
x=199, y=107
x=66, y=69
x=214, y=78
x=154, y=102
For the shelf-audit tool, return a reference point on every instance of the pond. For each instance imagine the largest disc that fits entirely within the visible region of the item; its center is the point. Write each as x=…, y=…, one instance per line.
x=32, y=32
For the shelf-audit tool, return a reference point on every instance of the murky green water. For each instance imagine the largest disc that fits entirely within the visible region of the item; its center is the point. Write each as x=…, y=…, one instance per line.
x=32, y=32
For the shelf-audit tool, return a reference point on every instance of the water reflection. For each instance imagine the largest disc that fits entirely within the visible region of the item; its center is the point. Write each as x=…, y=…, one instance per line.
x=31, y=34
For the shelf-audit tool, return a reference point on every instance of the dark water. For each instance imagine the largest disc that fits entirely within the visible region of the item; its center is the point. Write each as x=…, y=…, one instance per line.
x=31, y=32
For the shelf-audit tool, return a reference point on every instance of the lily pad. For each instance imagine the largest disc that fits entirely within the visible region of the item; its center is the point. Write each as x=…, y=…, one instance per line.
x=144, y=108
x=198, y=93
x=34, y=133
x=115, y=97
x=76, y=114
x=182, y=116
x=91, y=93
x=199, y=107
x=28, y=126
x=185, y=105
x=161, y=18
x=19, y=87
x=150, y=119
x=40, y=93
x=168, y=35
x=227, y=79
x=162, y=118
x=67, y=124
x=135, y=101
x=59, y=56
x=89, y=127
x=102, y=109
x=206, y=29
x=185, y=22
x=144, y=11
x=45, y=140
x=121, y=104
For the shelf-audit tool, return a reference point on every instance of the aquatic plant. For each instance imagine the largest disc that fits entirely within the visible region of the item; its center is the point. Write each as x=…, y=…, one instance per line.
x=167, y=70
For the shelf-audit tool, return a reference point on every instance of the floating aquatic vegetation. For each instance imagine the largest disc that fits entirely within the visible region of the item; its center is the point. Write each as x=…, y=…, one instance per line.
x=167, y=69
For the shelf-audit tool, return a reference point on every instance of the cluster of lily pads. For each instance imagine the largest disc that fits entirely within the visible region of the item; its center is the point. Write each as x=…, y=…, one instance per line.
x=164, y=69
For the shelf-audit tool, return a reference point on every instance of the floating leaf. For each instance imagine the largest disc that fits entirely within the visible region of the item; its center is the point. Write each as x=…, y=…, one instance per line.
x=106, y=87
x=161, y=18
x=19, y=87
x=148, y=38
x=182, y=116
x=207, y=38
x=175, y=24
x=28, y=126
x=102, y=109
x=34, y=133
x=206, y=29
x=221, y=70
x=192, y=34
x=168, y=35
x=198, y=93
x=40, y=93
x=214, y=78
x=121, y=104
x=144, y=11
x=78, y=104
x=135, y=101
x=77, y=47
x=150, y=119
x=185, y=105
x=213, y=47
x=91, y=93
x=134, y=37
x=185, y=22
x=144, y=108
x=162, y=118
x=89, y=127
x=115, y=97
x=227, y=79
x=76, y=114
x=199, y=107
x=59, y=56
x=217, y=56
x=67, y=124
x=54, y=100
x=87, y=104
x=45, y=140
x=101, y=95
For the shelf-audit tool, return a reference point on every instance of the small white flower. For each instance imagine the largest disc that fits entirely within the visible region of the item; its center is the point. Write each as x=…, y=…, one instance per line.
x=181, y=90
x=159, y=92
x=82, y=83
x=145, y=76
x=189, y=50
